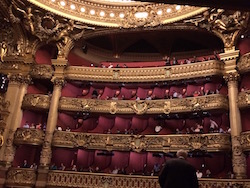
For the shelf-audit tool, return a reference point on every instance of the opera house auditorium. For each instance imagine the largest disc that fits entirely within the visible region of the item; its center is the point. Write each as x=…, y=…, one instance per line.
x=99, y=94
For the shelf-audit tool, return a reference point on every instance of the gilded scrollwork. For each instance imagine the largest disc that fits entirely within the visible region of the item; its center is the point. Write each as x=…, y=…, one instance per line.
x=231, y=77
x=215, y=101
x=41, y=71
x=46, y=152
x=245, y=141
x=187, y=71
x=59, y=82
x=21, y=177
x=244, y=99
x=36, y=100
x=137, y=143
x=28, y=136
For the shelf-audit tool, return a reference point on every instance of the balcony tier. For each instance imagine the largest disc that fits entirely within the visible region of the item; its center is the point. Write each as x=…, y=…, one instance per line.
x=41, y=71
x=244, y=63
x=158, y=143
x=177, y=72
x=29, y=136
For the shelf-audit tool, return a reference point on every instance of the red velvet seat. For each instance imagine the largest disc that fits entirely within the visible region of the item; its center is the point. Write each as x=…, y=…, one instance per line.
x=139, y=124
x=121, y=123
x=85, y=158
x=104, y=124
x=136, y=163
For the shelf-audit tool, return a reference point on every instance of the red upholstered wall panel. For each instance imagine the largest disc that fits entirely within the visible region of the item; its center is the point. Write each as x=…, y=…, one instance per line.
x=245, y=120
x=244, y=46
x=85, y=158
x=65, y=156
x=65, y=120
x=70, y=90
x=37, y=89
x=33, y=117
x=136, y=162
x=42, y=56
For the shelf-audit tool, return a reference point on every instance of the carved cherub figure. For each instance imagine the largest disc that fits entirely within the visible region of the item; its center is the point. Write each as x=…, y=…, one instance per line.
x=3, y=51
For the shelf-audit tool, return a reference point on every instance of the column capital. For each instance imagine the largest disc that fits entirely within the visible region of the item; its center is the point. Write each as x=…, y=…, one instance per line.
x=58, y=81
x=231, y=76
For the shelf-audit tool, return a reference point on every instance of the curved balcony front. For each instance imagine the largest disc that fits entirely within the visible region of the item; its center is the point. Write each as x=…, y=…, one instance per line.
x=41, y=71
x=36, y=102
x=153, y=74
x=91, y=180
x=244, y=63
x=29, y=136
x=244, y=99
x=21, y=177
x=159, y=143
x=209, y=102
x=245, y=141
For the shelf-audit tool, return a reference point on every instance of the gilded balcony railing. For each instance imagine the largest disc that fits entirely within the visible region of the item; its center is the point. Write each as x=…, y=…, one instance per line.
x=209, y=102
x=244, y=99
x=20, y=177
x=101, y=180
x=158, y=143
x=178, y=72
x=244, y=63
x=36, y=101
x=245, y=141
x=41, y=71
x=28, y=136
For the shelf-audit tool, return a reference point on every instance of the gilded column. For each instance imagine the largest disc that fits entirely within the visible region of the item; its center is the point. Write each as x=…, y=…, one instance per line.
x=51, y=123
x=15, y=121
x=232, y=76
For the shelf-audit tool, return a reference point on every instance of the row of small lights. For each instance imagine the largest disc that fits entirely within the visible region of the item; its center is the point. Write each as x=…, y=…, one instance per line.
x=102, y=13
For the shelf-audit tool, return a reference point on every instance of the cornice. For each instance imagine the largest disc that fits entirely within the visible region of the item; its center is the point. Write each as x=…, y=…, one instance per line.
x=29, y=136
x=210, y=102
x=178, y=72
x=245, y=141
x=244, y=63
x=157, y=143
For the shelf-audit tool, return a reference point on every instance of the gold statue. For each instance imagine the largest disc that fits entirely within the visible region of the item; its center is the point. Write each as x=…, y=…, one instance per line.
x=28, y=18
x=3, y=50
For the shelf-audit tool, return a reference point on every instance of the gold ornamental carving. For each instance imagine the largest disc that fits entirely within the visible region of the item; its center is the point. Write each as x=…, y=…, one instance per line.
x=91, y=180
x=245, y=141
x=244, y=63
x=238, y=157
x=21, y=177
x=177, y=72
x=141, y=16
x=9, y=152
x=28, y=136
x=37, y=101
x=59, y=82
x=41, y=71
x=225, y=24
x=46, y=152
x=232, y=77
x=244, y=99
x=209, y=102
x=137, y=143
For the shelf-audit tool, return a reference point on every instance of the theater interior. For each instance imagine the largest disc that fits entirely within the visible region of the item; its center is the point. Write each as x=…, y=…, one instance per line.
x=98, y=94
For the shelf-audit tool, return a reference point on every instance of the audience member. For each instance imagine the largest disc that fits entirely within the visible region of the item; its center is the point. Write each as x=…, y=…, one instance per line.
x=199, y=174
x=208, y=173
x=213, y=126
x=73, y=168
x=62, y=167
x=53, y=167
x=26, y=125
x=67, y=129
x=25, y=164
x=33, y=166
x=178, y=173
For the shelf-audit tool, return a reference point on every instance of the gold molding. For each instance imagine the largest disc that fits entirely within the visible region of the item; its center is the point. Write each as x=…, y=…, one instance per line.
x=37, y=101
x=128, y=10
x=91, y=180
x=244, y=63
x=158, y=143
x=245, y=141
x=209, y=102
x=29, y=136
x=179, y=72
x=41, y=71
x=20, y=177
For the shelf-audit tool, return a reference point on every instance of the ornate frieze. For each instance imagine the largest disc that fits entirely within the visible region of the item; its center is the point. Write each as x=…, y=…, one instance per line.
x=245, y=141
x=232, y=77
x=21, y=177
x=209, y=102
x=92, y=180
x=36, y=101
x=162, y=143
x=42, y=71
x=179, y=72
x=28, y=136
x=244, y=63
